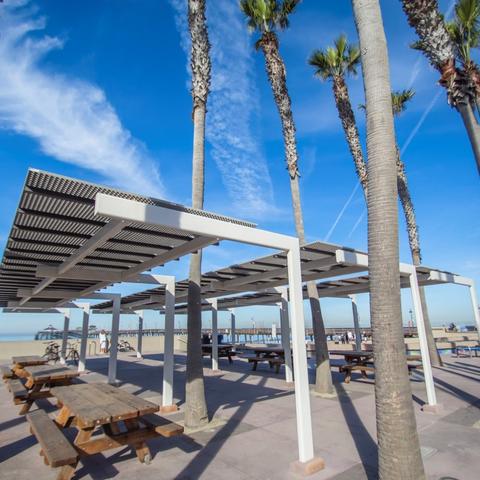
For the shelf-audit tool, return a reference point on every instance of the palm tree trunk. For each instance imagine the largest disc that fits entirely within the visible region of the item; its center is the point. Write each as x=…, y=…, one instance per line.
x=473, y=129
x=277, y=76
x=195, y=402
x=196, y=413
x=347, y=117
x=398, y=445
x=414, y=242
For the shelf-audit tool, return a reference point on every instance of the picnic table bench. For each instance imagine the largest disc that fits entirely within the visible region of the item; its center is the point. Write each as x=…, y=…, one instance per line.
x=34, y=382
x=123, y=418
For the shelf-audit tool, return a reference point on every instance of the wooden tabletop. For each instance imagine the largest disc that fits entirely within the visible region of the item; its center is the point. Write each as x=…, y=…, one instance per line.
x=29, y=360
x=44, y=373
x=99, y=403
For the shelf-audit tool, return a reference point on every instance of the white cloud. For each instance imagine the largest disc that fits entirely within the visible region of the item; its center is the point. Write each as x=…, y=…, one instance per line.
x=70, y=119
x=232, y=108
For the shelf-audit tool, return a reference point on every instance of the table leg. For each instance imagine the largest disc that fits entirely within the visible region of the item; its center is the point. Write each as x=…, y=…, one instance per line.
x=141, y=448
x=84, y=435
x=63, y=417
x=28, y=403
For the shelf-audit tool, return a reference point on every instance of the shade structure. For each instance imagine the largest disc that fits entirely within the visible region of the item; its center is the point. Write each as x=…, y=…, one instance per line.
x=83, y=237
x=59, y=249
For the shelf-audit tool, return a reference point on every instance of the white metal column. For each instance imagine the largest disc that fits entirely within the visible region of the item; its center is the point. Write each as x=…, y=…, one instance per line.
x=422, y=337
x=476, y=313
x=66, y=326
x=232, y=326
x=285, y=329
x=356, y=323
x=168, y=351
x=83, y=343
x=140, y=334
x=213, y=302
x=302, y=391
x=112, y=360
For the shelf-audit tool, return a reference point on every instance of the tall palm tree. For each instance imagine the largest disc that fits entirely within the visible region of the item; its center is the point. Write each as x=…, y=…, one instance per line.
x=464, y=31
x=336, y=63
x=400, y=100
x=196, y=413
x=398, y=445
x=437, y=45
x=267, y=17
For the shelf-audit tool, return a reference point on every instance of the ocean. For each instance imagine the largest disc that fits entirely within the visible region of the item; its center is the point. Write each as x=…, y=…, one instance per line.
x=16, y=337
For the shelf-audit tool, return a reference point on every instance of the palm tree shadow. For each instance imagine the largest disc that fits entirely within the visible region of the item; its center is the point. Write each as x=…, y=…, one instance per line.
x=200, y=462
x=364, y=443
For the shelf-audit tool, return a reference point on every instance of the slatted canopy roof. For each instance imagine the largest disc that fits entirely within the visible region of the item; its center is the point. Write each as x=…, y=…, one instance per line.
x=341, y=287
x=59, y=249
x=318, y=260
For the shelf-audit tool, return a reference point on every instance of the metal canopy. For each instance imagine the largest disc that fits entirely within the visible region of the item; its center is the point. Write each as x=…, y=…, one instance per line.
x=343, y=287
x=59, y=249
x=319, y=260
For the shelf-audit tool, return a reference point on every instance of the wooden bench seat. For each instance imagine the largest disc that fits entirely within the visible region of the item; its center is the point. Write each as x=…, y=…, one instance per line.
x=19, y=392
x=6, y=372
x=57, y=451
x=162, y=425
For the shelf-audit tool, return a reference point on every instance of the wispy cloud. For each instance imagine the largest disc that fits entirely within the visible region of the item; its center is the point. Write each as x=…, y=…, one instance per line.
x=70, y=119
x=232, y=108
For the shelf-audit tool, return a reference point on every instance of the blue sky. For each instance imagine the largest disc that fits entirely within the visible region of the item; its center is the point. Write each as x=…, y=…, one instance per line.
x=99, y=90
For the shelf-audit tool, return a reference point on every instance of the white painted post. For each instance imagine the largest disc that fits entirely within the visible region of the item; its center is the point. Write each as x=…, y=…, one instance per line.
x=168, y=351
x=285, y=329
x=112, y=359
x=66, y=325
x=140, y=334
x=422, y=337
x=302, y=391
x=83, y=343
x=476, y=313
x=232, y=326
x=356, y=323
x=213, y=302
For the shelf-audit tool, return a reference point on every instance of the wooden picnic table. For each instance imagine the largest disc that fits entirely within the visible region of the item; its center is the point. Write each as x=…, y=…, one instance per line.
x=125, y=419
x=224, y=350
x=40, y=378
x=275, y=356
x=360, y=360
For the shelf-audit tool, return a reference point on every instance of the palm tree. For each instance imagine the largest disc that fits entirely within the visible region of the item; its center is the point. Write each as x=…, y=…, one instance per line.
x=267, y=17
x=464, y=31
x=400, y=100
x=437, y=45
x=335, y=63
x=398, y=445
x=196, y=413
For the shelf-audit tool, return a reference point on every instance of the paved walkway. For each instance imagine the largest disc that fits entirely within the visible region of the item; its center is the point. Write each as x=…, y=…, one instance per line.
x=254, y=435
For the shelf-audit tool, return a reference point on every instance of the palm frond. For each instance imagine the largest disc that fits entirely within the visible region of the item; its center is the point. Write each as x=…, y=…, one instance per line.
x=340, y=59
x=400, y=99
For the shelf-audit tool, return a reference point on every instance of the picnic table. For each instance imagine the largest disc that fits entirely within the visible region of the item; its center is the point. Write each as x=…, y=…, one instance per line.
x=361, y=360
x=224, y=350
x=123, y=418
x=38, y=381
x=275, y=356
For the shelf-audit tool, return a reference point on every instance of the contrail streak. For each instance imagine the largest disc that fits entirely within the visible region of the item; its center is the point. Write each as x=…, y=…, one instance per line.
x=342, y=211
